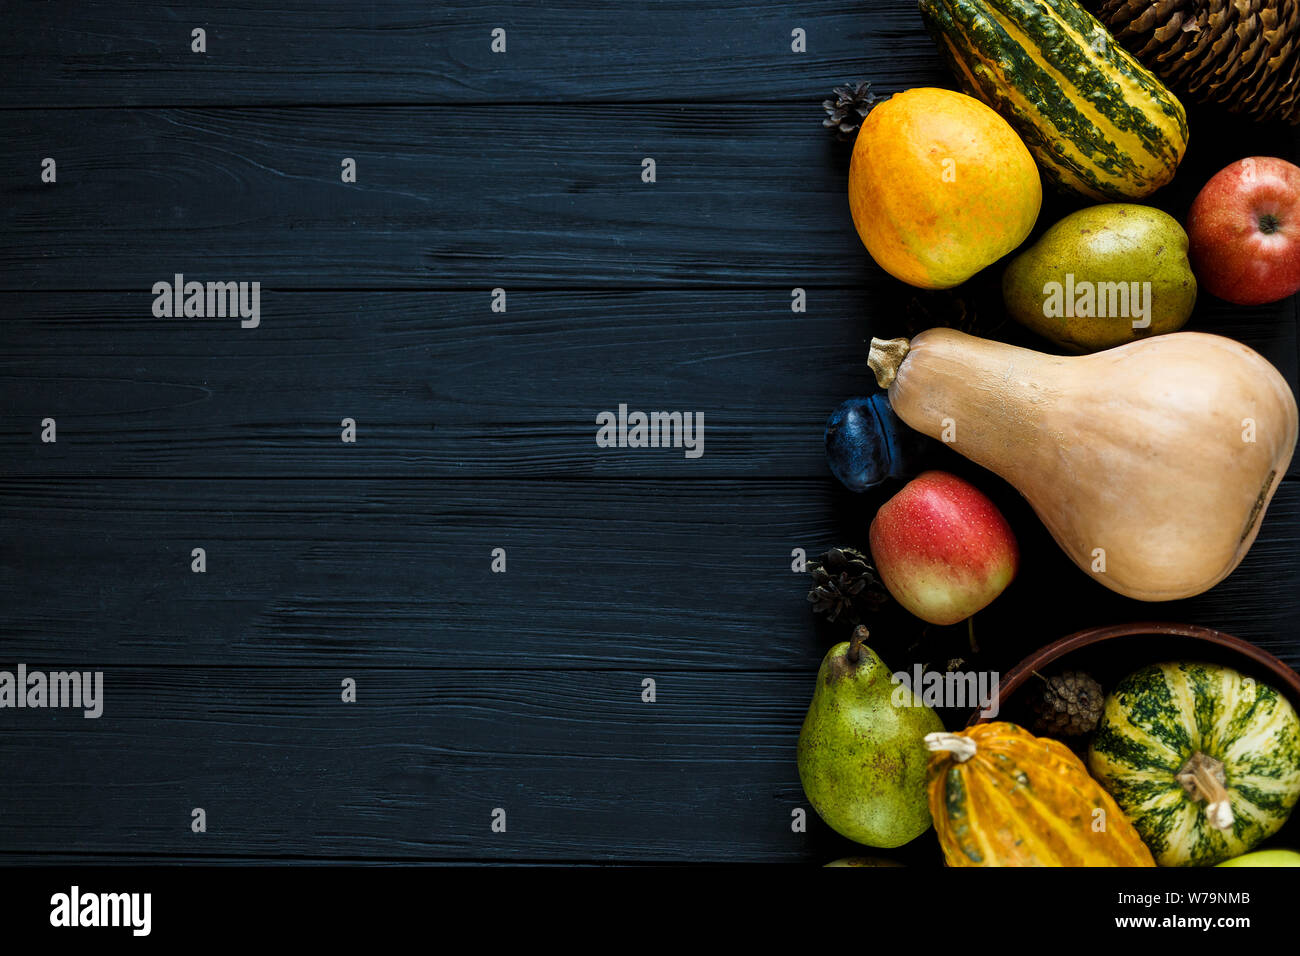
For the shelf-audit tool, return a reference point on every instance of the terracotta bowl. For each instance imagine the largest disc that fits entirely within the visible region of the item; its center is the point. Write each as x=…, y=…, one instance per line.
x=1109, y=653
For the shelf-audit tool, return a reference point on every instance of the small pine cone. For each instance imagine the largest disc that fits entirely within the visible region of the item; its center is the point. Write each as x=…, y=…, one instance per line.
x=1068, y=704
x=845, y=585
x=847, y=109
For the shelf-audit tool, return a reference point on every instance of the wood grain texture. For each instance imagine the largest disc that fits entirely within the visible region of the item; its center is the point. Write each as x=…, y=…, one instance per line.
x=452, y=197
x=442, y=387
x=600, y=574
x=443, y=198
x=332, y=52
x=414, y=768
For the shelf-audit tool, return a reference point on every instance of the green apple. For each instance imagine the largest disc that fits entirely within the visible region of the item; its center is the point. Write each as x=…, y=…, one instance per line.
x=1265, y=858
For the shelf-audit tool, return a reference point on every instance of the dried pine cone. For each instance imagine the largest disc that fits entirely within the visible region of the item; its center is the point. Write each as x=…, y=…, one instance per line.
x=949, y=310
x=845, y=585
x=1068, y=704
x=1243, y=54
x=850, y=106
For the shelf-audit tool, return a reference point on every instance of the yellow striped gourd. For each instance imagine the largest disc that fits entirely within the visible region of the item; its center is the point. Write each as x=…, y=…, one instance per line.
x=1098, y=122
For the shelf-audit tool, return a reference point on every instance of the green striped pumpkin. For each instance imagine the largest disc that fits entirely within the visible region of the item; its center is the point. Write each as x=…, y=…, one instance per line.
x=1096, y=120
x=1204, y=761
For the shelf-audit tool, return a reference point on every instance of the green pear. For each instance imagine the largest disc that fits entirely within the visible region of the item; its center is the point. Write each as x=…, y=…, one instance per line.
x=862, y=758
x=1103, y=276
x=862, y=861
x=1265, y=858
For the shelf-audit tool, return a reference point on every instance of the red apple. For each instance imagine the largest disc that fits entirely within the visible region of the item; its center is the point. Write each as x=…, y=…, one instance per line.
x=1244, y=230
x=942, y=548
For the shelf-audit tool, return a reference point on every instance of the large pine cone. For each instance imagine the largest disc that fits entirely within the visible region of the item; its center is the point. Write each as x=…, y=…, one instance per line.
x=1244, y=54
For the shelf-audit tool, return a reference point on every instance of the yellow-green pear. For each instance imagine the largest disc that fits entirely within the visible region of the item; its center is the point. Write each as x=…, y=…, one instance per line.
x=1103, y=276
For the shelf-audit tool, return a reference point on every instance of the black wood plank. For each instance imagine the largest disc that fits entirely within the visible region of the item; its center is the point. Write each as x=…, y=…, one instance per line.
x=331, y=51
x=441, y=386
x=599, y=574
x=446, y=198
x=415, y=767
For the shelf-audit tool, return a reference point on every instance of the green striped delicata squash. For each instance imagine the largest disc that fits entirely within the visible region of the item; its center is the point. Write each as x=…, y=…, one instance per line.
x=1204, y=761
x=1097, y=121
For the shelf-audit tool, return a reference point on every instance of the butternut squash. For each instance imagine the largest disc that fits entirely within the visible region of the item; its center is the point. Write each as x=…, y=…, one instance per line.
x=1151, y=464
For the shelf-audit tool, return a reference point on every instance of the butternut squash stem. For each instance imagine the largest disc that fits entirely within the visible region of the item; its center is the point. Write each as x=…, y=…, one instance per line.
x=1203, y=778
x=961, y=748
x=884, y=357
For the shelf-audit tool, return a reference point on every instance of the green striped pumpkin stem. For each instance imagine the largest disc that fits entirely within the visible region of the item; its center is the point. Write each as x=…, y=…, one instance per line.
x=1203, y=779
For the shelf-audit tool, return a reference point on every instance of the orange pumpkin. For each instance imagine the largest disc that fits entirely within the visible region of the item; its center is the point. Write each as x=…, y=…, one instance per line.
x=1000, y=796
x=940, y=186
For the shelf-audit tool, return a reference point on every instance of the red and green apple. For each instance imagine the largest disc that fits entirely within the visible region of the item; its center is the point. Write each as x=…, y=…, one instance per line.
x=942, y=548
x=1244, y=231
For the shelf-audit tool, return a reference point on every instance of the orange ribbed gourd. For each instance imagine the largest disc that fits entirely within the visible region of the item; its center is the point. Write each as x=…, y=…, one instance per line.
x=1000, y=796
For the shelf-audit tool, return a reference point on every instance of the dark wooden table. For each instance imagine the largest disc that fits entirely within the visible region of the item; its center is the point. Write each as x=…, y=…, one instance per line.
x=371, y=561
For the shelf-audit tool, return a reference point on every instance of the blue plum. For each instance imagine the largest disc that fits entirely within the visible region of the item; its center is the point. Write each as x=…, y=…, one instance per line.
x=866, y=443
